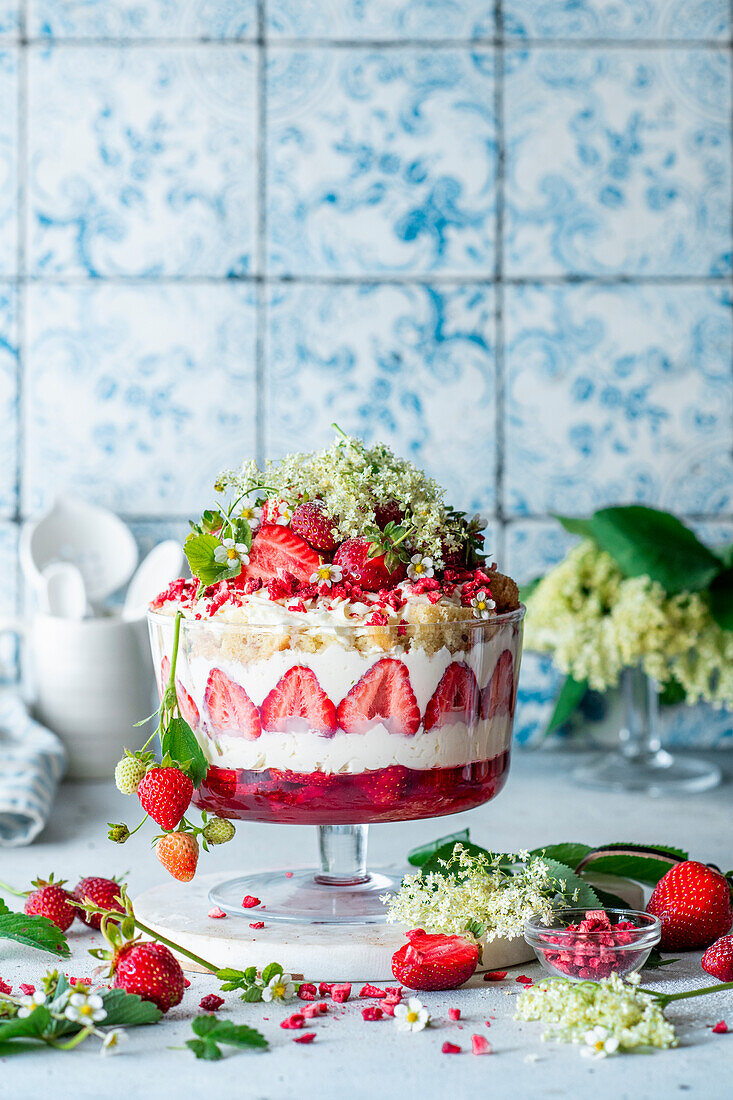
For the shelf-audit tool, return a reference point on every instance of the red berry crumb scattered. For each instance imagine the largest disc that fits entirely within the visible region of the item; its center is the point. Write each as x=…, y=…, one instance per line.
x=5, y=988
x=297, y=1020
x=249, y=902
x=186, y=983
x=523, y=979
x=388, y=1006
x=216, y=913
x=257, y=924
x=341, y=992
x=211, y=1003
x=306, y=1037
x=324, y=988
x=311, y=1010
x=721, y=1028
x=307, y=991
x=27, y=989
x=372, y=991
x=480, y=1045
x=450, y=1048
x=372, y=1012
x=454, y=1013
x=495, y=975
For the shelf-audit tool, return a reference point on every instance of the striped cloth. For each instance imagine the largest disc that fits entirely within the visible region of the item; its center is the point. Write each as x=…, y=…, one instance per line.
x=32, y=760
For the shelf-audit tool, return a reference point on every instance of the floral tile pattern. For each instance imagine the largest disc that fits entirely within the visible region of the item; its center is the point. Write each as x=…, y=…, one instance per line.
x=150, y=19
x=533, y=547
x=8, y=397
x=618, y=162
x=8, y=163
x=115, y=367
x=618, y=393
x=381, y=161
x=152, y=168
x=412, y=365
x=628, y=19
x=381, y=19
x=9, y=19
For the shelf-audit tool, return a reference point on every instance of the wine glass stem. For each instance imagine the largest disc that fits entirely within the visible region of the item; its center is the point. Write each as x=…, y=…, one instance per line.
x=639, y=735
x=342, y=849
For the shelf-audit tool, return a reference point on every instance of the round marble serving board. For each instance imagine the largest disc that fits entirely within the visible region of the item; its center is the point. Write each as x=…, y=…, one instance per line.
x=351, y=952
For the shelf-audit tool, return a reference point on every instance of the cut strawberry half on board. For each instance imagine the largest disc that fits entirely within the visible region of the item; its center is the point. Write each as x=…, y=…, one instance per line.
x=434, y=961
x=298, y=703
x=456, y=698
x=229, y=707
x=498, y=695
x=384, y=694
x=189, y=710
x=276, y=549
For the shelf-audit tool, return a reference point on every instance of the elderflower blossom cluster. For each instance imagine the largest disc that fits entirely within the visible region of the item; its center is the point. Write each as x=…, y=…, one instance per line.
x=626, y=1015
x=350, y=478
x=477, y=888
x=595, y=623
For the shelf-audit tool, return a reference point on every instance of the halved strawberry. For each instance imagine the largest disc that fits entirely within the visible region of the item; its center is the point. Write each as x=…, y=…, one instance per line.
x=230, y=708
x=498, y=695
x=434, y=961
x=387, y=787
x=276, y=549
x=298, y=703
x=384, y=694
x=189, y=710
x=455, y=699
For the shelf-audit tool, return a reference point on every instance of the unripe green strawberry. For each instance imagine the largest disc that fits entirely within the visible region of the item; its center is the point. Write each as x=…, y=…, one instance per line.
x=128, y=774
x=218, y=831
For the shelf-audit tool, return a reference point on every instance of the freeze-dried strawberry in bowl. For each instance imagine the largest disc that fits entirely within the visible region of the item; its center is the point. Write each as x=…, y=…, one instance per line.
x=349, y=657
x=583, y=944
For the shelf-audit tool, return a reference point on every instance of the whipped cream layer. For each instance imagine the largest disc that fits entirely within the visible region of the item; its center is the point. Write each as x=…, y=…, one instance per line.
x=339, y=667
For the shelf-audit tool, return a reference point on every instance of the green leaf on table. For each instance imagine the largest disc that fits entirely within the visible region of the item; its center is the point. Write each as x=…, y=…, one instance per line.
x=34, y=1026
x=656, y=960
x=645, y=541
x=200, y=551
x=574, y=885
x=567, y=702
x=721, y=599
x=570, y=853
x=32, y=931
x=211, y=1031
x=419, y=856
x=271, y=971
x=128, y=1010
x=180, y=744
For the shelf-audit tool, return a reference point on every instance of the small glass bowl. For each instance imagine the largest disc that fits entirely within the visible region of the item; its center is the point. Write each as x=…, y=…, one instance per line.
x=566, y=952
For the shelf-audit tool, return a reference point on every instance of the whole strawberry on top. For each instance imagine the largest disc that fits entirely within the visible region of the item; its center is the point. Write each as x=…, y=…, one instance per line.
x=693, y=903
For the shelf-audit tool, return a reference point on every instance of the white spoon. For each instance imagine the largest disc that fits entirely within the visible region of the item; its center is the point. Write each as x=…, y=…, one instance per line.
x=163, y=564
x=64, y=594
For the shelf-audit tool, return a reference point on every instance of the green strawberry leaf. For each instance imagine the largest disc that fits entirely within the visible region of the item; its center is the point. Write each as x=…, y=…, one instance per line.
x=252, y=994
x=419, y=856
x=204, y=1048
x=436, y=863
x=640, y=868
x=211, y=1031
x=34, y=1026
x=721, y=599
x=199, y=551
x=645, y=541
x=655, y=960
x=570, y=853
x=270, y=972
x=128, y=1010
x=586, y=895
x=180, y=744
x=568, y=700
x=609, y=900
x=32, y=931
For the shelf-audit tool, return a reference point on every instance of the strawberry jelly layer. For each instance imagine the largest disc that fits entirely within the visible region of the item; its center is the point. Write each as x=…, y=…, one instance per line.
x=388, y=794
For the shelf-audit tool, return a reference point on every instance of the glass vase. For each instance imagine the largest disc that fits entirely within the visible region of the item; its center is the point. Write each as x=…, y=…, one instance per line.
x=640, y=763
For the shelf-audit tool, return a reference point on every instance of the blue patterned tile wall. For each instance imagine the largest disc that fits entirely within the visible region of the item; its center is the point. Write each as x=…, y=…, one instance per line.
x=496, y=234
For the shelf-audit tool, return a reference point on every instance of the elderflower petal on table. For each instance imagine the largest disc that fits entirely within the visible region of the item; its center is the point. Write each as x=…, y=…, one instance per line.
x=85, y=1008
x=279, y=988
x=231, y=553
x=412, y=1016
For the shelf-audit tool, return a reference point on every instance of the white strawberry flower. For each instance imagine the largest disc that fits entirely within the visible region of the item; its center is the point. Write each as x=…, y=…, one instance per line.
x=85, y=1008
x=253, y=515
x=113, y=1040
x=231, y=554
x=29, y=1003
x=327, y=574
x=599, y=1043
x=280, y=513
x=412, y=1016
x=483, y=604
x=279, y=988
x=420, y=567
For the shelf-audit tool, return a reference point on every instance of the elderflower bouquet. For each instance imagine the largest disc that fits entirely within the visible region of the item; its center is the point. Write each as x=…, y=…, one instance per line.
x=640, y=590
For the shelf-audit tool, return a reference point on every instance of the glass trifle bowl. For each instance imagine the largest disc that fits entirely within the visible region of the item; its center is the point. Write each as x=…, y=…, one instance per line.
x=342, y=726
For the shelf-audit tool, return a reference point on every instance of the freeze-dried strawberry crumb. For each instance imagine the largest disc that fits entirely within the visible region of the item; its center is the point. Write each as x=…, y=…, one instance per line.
x=372, y=991
x=4, y=987
x=307, y=991
x=288, y=874
x=450, y=1048
x=425, y=584
x=257, y=924
x=211, y=1002
x=523, y=980
x=377, y=619
x=324, y=988
x=495, y=975
x=388, y=1007
x=216, y=913
x=454, y=1013
x=254, y=584
x=186, y=982
x=311, y=1010
x=249, y=902
x=297, y=1020
x=371, y=1012
x=480, y=1045
x=297, y=606
x=27, y=989
x=393, y=991
x=306, y=1037
x=488, y=1023
x=341, y=992
x=180, y=589
x=721, y=1028
x=402, y=628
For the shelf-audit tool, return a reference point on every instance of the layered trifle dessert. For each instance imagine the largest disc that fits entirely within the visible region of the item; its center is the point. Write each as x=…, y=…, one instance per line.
x=347, y=651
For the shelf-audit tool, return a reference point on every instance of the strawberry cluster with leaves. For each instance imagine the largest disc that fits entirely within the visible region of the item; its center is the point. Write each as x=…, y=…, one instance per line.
x=165, y=787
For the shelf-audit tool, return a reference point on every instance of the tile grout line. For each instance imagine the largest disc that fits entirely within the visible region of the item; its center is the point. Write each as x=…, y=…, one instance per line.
x=385, y=278
x=21, y=154
x=261, y=261
x=484, y=42
x=499, y=361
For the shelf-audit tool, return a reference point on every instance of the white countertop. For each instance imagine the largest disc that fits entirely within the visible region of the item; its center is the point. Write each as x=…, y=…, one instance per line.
x=370, y=1060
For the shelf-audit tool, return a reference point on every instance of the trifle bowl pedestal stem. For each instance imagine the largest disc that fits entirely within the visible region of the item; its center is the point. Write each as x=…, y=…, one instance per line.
x=340, y=891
